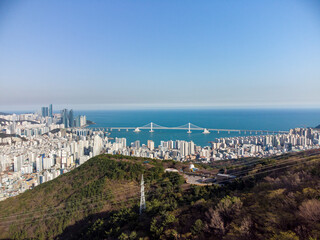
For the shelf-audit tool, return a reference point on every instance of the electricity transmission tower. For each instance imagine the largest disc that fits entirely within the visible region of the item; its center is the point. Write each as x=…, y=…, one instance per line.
x=142, y=198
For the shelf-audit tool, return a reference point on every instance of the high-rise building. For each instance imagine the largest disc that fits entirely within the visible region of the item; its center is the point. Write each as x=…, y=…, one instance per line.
x=124, y=142
x=65, y=119
x=191, y=147
x=83, y=120
x=80, y=121
x=77, y=121
x=44, y=111
x=50, y=111
x=151, y=145
x=137, y=144
x=97, y=145
x=17, y=163
x=71, y=119
x=182, y=148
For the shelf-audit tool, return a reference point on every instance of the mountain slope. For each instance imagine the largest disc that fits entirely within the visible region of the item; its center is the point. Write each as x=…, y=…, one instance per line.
x=275, y=198
x=91, y=187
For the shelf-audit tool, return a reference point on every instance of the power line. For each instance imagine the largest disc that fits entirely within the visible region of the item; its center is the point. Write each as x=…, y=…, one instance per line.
x=248, y=163
x=77, y=201
x=264, y=167
x=79, y=210
x=63, y=209
x=150, y=193
x=48, y=216
x=272, y=170
x=57, y=212
x=67, y=203
x=270, y=165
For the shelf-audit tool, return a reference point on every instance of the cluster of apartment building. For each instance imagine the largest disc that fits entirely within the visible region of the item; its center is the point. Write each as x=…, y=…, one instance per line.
x=36, y=147
x=44, y=121
x=27, y=163
x=221, y=148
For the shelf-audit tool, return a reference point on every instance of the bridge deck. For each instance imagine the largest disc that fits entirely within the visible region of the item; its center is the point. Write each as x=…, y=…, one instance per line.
x=192, y=129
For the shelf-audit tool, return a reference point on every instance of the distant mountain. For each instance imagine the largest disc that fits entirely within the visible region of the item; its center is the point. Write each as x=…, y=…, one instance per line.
x=318, y=126
x=2, y=113
x=275, y=198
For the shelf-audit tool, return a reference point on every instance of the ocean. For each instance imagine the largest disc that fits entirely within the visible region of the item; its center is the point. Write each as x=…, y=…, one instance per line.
x=255, y=119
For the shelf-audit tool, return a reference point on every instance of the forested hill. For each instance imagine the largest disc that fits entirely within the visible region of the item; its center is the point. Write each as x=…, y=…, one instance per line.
x=277, y=198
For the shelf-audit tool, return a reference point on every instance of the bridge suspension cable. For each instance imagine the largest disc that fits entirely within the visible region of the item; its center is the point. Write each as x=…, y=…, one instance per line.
x=189, y=127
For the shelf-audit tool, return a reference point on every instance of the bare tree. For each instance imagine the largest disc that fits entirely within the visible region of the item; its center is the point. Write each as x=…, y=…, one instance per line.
x=309, y=211
x=219, y=219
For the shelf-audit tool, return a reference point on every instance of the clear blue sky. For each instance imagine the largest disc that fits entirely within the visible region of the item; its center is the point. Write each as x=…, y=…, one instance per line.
x=160, y=53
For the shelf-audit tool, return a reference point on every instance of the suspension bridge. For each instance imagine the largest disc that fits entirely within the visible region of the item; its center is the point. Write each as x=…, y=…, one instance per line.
x=189, y=127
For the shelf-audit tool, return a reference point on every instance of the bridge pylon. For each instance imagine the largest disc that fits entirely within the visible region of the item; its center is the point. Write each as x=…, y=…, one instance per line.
x=189, y=130
x=151, y=127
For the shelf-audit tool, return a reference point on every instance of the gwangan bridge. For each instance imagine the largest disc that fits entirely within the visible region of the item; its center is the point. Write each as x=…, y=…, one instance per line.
x=189, y=127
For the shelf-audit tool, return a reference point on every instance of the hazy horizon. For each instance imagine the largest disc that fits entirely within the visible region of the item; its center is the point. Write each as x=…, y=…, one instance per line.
x=35, y=108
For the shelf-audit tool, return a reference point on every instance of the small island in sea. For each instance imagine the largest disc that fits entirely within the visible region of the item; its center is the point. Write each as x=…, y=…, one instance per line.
x=90, y=123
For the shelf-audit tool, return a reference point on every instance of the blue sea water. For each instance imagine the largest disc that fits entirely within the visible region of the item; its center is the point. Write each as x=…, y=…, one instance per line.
x=255, y=119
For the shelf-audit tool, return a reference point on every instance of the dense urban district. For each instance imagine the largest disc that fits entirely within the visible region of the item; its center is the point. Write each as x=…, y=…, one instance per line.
x=38, y=147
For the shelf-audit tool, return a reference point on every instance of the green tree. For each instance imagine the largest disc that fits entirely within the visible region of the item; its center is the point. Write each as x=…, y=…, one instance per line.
x=133, y=235
x=154, y=229
x=123, y=236
x=289, y=235
x=197, y=227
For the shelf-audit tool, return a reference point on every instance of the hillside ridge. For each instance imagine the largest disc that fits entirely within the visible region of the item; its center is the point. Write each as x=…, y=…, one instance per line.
x=100, y=200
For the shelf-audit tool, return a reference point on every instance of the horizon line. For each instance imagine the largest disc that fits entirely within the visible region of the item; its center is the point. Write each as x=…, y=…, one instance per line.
x=134, y=107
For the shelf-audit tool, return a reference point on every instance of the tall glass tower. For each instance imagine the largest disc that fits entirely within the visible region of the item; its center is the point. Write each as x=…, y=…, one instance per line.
x=65, y=119
x=71, y=119
x=50, y=110
x=44, y=112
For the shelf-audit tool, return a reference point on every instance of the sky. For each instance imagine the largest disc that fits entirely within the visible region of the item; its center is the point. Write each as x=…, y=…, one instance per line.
x=169, y=53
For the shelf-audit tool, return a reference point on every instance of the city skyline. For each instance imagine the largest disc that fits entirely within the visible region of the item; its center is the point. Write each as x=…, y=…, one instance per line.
x=110, y=55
